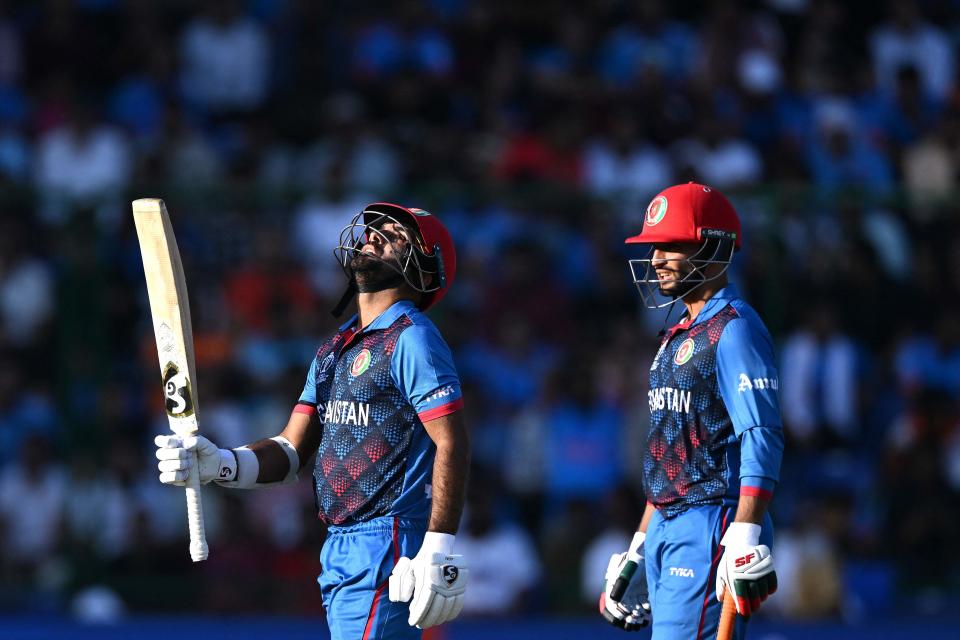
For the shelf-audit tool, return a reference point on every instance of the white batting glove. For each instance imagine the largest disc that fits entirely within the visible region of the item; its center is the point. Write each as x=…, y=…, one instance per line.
x=177, y=456
x=746, y=565
x=625, y=600
x=433, y=582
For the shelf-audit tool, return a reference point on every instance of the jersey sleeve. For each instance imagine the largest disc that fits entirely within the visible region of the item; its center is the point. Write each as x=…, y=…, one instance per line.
x=423, y=370
x=308, y=397
x=749, y=384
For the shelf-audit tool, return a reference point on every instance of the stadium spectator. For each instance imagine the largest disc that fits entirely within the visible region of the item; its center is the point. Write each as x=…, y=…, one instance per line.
x=505, y=570
x=26, y=289
x=226, y=59
x=32, y=501
x=907, y=39
x=623, y=167
x=81, y=163
x=819, y=374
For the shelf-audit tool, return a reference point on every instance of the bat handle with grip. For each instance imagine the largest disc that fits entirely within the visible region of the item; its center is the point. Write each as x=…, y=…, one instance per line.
x=728, y=617
x=623, y=581
x=198, y=538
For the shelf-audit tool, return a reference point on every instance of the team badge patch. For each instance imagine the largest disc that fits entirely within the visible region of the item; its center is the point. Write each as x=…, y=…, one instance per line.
x=656, y=210
x=324, y=372
x=685, y=352
x=361, y=363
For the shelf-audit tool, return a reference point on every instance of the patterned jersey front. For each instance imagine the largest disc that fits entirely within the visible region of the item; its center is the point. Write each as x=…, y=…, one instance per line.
x=713, y=398
x=372, y=392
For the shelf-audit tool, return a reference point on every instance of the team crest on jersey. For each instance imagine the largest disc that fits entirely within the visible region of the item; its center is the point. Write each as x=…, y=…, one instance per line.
x=685, y=352
x=361, y=363
x=656, y=210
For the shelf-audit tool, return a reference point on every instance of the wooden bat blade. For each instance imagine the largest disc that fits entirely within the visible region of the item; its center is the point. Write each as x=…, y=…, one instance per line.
x=170, y=311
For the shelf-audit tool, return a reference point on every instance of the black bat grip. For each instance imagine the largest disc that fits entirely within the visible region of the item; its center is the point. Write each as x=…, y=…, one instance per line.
x=619, y=588
x=623, y=581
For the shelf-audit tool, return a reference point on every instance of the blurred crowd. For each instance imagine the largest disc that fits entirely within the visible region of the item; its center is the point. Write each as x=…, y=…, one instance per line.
x=537, y=132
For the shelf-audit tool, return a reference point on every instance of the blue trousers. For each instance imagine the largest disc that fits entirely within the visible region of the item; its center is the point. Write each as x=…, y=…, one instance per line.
x=357, y=561
x=682, y=555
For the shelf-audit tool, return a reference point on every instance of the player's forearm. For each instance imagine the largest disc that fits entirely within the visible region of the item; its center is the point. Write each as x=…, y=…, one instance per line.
x=274, y=456
x=274, y=464
x=751, y=509
x=450, y=469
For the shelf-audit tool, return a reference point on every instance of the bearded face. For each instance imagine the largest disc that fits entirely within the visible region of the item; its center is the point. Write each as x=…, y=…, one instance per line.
x=372, y=273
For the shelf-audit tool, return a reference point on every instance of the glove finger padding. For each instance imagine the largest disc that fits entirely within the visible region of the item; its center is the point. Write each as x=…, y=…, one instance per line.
x=175, y=462
x=440, y=585
x=173, y=454
x=175, y=478
x=175, y=465
x=750, y=572
x=433, y=610
x=401, y=582
x=632, y=611
x=168, y=441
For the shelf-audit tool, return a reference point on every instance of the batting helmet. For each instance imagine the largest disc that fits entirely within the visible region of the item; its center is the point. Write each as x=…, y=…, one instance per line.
x=430, y=263
x=686, y=213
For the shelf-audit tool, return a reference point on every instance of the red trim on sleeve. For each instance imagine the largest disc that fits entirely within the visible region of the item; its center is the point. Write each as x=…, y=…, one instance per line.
x=756, y=492
x=442, y=410
x=305, y=409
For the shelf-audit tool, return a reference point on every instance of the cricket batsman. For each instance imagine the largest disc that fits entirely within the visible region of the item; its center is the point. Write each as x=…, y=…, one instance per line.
x=381, y=410
x=713, y=452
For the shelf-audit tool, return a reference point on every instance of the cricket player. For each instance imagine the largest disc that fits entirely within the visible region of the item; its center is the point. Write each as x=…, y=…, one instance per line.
x=713, y=452
x=381, y=411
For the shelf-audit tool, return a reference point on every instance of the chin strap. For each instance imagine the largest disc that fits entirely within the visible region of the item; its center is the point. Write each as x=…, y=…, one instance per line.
x=345, y=299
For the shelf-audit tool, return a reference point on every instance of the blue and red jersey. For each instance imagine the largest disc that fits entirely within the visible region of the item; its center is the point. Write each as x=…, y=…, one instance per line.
x=372, y=390
x=715, y=427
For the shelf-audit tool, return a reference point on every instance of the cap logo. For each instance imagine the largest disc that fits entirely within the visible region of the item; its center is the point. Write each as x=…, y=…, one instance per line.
x=361, y=363
x=419, y=212
x=656, y=210
x=685, y=352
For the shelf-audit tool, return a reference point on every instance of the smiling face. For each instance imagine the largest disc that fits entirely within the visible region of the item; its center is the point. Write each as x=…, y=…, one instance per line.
x=671, y=262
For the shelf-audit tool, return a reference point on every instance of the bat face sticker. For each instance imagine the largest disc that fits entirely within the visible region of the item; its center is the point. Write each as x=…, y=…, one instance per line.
x=176, y=391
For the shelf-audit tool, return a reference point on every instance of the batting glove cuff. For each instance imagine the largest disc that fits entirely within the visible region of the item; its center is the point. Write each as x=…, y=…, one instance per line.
x=741, y=534
x=436, y=542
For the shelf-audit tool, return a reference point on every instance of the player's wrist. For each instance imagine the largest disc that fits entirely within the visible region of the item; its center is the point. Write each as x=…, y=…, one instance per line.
x=227, y=468
x=247, y=468
x=436, y=542
x=745, y=534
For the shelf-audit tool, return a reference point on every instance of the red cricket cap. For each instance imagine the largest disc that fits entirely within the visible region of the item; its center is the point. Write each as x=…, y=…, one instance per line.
x=688, y=213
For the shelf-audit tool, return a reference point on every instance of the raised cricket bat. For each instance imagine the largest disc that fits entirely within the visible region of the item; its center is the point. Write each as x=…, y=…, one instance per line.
x=170, y=309
x=728, y=617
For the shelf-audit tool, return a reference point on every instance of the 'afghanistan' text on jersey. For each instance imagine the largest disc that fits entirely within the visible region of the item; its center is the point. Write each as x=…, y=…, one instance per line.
x=372, y=392
x=704, y=416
